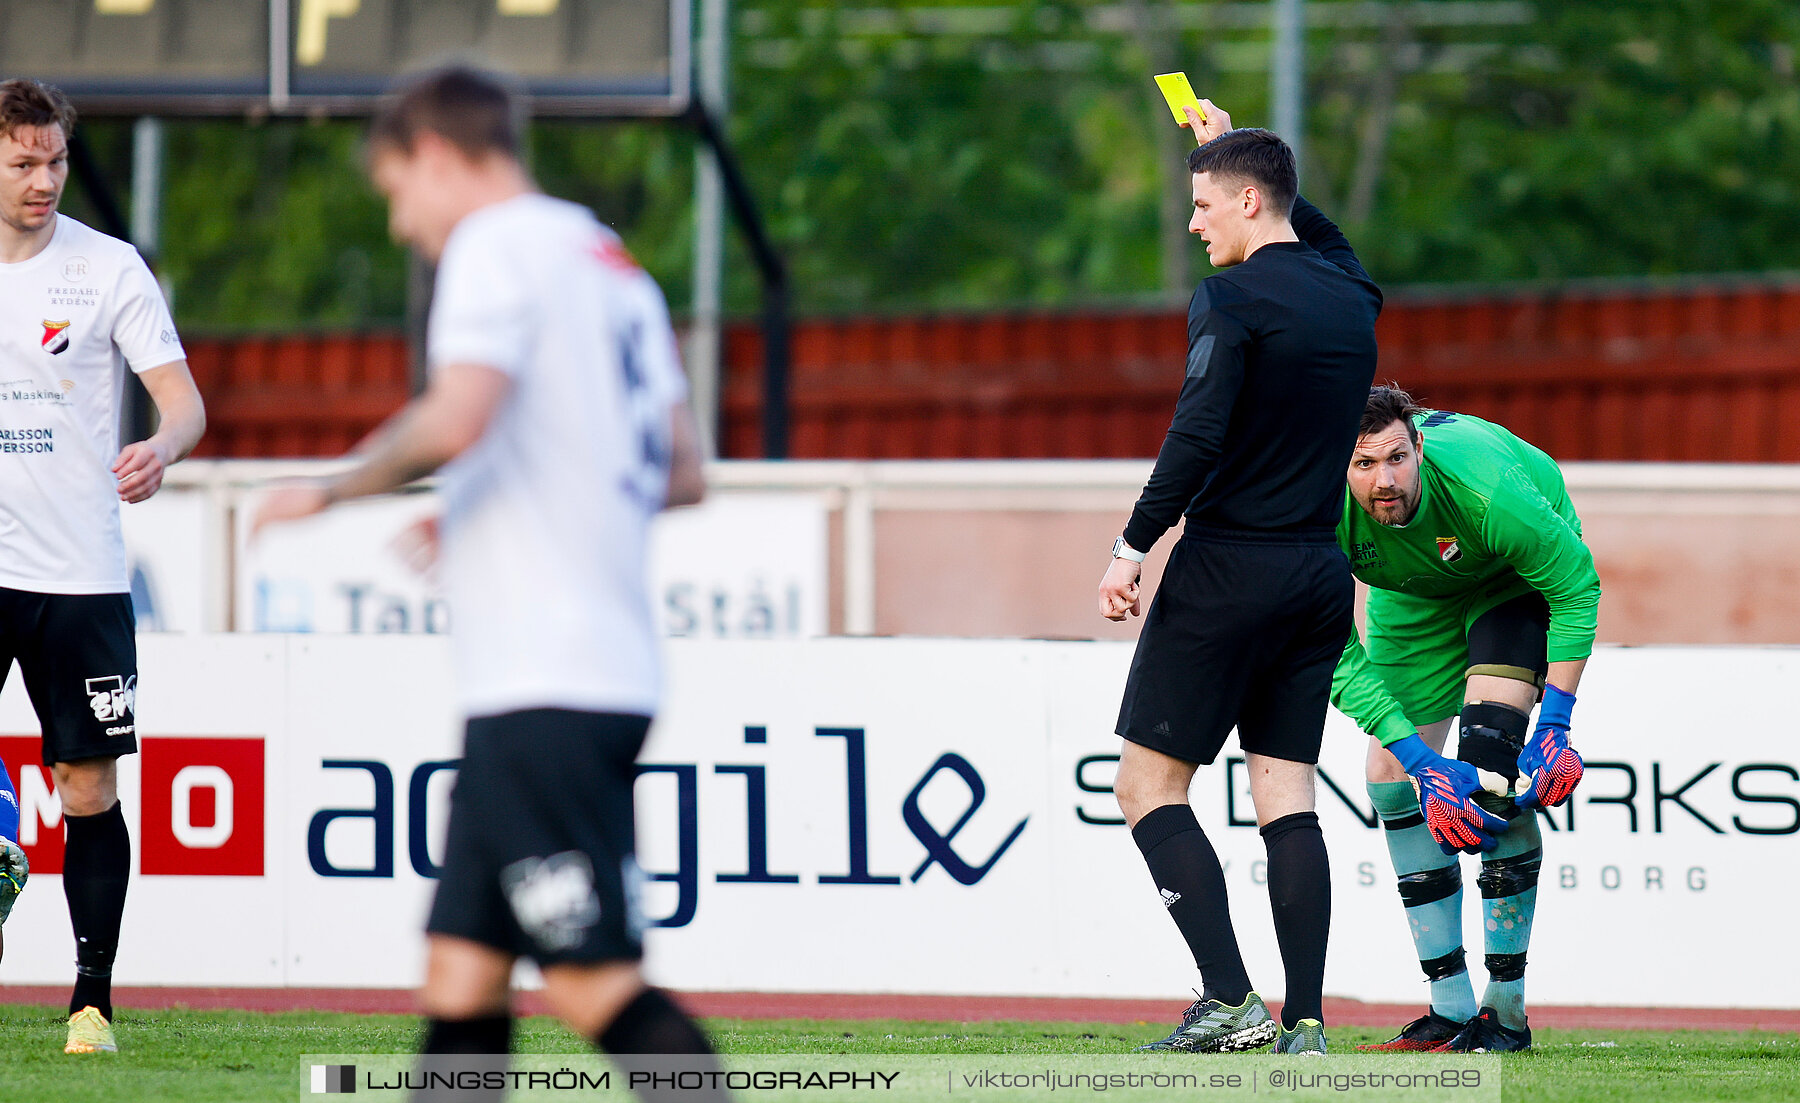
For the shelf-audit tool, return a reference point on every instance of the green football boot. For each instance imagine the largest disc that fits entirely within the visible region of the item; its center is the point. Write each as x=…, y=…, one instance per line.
x=1307, y=1038
x=1212, y=1026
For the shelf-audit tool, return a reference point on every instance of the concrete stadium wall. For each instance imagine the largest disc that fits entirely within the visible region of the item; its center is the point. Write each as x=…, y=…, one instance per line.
x=1687, y=553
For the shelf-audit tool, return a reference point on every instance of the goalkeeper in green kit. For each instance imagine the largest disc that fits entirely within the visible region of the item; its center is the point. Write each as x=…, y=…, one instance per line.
x=1482, y=598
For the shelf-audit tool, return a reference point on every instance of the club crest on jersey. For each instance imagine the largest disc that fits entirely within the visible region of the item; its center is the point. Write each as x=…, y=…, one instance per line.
x=56, y=336
x=1448, y=549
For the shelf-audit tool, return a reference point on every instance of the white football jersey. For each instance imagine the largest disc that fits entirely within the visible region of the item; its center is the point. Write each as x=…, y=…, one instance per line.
x=547, y=516
x=72, y=319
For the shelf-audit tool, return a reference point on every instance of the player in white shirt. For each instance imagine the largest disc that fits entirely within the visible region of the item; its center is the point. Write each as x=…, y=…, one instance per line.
x=556, y=410
x=77, y=308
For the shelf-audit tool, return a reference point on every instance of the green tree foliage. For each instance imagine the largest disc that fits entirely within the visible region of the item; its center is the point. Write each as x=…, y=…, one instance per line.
x=943, y=170
x=274, y=225
x=967, y=154
x=290, y=235
x=266, y=225
x=1623, y=138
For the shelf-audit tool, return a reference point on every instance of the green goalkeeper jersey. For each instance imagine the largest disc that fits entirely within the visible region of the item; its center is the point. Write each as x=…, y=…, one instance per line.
x=1494, y=521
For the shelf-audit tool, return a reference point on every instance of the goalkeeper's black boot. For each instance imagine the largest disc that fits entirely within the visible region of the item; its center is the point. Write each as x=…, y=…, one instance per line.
x=1430, y=1031
x=1484, y=1034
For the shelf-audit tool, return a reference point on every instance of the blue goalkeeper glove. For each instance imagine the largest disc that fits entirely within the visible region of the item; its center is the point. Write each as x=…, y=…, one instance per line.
x=1552, y=765
x=1446, y=798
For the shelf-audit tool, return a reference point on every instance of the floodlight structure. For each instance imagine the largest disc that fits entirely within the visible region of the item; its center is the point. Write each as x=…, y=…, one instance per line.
x=581, y=59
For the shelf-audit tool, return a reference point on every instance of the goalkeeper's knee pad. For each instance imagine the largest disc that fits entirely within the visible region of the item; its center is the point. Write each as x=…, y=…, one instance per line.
x=1490, y=739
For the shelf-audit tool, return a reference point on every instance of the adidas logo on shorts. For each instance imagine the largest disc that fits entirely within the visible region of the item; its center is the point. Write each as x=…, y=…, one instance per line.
x=1169, y=898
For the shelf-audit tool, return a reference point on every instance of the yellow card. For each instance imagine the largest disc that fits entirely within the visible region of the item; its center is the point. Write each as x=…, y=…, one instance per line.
x=1180, y=94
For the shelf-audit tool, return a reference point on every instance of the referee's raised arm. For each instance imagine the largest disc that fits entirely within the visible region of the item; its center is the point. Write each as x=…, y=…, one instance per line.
x=1312, y=227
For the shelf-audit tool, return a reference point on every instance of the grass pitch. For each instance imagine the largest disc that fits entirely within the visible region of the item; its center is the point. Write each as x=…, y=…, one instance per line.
x=219, y=1056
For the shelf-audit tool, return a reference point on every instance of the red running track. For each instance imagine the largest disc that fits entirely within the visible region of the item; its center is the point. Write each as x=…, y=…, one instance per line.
x=967, y=1009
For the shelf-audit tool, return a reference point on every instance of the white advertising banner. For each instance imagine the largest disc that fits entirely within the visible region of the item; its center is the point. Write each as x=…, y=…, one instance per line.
x=339, y=572
x=926, y=816
x=738, y=566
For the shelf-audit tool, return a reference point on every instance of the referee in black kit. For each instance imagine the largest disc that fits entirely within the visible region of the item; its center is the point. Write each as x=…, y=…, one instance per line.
x=1255, y=604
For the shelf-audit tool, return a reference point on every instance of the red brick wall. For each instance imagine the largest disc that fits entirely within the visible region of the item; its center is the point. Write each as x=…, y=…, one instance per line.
x=285, y=396
x=1705, y=372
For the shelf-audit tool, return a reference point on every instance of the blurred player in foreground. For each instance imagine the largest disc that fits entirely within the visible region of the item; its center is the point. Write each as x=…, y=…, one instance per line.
x=556, y=410
x=1256, y=599
x=76, y=309
x=1482, y=595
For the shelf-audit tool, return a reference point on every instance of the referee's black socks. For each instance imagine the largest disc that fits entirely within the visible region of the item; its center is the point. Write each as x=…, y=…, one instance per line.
x=1186, y=869
x=1300, y=896
x=96, y=870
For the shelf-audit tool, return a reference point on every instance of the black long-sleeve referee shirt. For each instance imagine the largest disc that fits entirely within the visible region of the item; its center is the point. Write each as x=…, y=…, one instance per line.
x=1281, y=354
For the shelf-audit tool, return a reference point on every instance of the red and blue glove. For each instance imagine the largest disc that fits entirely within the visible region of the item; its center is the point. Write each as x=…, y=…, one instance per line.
x=1552, y=765
x=1446, y=798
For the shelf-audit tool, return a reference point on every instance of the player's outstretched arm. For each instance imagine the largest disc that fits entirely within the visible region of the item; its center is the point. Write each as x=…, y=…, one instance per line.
x=431, y=431
x=428, y=433
x=181, y=419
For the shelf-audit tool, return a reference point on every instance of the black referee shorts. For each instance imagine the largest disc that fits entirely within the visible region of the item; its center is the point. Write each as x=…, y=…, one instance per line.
x=541, y=859
x=78, y=655
x=1245, y=631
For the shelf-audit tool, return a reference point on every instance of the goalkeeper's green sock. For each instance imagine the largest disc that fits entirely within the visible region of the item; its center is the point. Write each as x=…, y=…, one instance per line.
x=1431, y=889
x=1508, y=881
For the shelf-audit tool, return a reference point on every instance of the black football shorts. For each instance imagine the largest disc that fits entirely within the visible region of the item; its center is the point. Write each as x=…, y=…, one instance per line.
x=1245, y=631
x=78, y=655
x=541, y=858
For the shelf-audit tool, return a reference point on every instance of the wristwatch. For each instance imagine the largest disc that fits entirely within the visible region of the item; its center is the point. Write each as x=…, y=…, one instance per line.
x=1122, y=550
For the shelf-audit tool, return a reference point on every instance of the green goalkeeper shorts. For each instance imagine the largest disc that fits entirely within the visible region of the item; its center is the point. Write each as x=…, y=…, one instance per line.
x=1421, y=646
